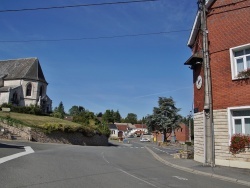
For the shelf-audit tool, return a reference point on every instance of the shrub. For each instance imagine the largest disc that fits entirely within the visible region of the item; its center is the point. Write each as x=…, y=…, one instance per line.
x=239, y=143
x=32, y=109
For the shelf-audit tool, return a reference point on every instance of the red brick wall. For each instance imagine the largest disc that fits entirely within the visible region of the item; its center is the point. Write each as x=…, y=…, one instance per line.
x=228, y=26
x=182, y=133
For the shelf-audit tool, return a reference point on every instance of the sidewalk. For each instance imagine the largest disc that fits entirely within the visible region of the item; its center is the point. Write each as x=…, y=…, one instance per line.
x=236, y=175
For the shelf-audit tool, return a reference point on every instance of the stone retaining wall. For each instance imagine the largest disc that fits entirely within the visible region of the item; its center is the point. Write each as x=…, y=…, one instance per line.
x=26, y=133
x=23, y=132
x=69, y=138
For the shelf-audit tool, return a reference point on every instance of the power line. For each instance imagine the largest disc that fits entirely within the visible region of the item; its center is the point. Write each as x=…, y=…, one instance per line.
x=75, y=6
x=93, y=38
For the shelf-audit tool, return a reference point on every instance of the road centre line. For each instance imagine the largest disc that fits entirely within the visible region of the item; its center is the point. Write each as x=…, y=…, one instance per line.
x=104, y=158
x=128, y=173
x=137, y=178
x=28, y=150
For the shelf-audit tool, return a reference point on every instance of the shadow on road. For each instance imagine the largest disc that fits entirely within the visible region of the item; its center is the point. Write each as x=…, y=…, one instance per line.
x=11, y=146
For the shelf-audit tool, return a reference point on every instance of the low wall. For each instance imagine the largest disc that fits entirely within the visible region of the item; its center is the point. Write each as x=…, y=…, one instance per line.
x=23, y=132
x=26, y=133
x=69, y=138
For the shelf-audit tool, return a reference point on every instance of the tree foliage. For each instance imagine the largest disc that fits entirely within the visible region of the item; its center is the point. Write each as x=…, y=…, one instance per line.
x=76, y=110
x=117, y=117
x=111, y=117
x=131, y=118
x=59, y=111
x=165, y=117
x=86, y=118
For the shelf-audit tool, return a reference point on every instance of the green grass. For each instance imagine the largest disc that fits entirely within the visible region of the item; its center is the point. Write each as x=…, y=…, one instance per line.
x=49, y=124
x=37, y=121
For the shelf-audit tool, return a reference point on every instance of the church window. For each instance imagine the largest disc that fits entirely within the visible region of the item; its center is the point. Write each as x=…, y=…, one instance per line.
x=28, y=89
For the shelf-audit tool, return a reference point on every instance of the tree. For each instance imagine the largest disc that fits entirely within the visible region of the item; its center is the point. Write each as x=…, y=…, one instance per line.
x=76, y=110
x=165, y=117
x=117, y=117
x=149, y=120
x=86, y=118
x=131, y=118
x=99, y=114
x=142, y=121
x=108, y=116
x=59, y=111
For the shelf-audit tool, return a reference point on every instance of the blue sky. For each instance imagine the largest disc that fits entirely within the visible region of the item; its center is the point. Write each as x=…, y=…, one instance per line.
x=124, y=73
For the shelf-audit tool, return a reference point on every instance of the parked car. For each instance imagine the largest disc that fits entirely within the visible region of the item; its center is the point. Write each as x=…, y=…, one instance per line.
x=144, y=140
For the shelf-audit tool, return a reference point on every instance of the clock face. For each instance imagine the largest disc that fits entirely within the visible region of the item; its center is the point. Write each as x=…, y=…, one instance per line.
x=199, y=82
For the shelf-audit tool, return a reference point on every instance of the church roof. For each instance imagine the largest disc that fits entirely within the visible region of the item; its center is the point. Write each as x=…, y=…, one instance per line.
x=26, y=68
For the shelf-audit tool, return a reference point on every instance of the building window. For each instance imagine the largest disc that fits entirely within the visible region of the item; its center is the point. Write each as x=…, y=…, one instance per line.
x=239, y=121
x=240, y=59
x=15, y=98
x=28, y=89
x=41, y=91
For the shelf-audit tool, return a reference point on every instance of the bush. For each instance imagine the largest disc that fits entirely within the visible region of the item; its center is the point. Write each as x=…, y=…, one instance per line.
x=32, y=109
x=239, y=143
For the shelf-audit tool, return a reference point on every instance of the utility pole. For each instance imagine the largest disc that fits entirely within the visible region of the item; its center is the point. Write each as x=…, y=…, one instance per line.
x=189, y=126
x=208, y=110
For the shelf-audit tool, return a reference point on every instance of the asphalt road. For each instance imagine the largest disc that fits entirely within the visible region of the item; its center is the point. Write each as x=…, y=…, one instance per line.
x=63, y=166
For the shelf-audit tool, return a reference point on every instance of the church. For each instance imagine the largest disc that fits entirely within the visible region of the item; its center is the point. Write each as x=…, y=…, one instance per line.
x=22, y=83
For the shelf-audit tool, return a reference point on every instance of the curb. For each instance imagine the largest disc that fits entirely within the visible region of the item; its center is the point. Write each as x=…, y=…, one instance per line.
x=224, y=178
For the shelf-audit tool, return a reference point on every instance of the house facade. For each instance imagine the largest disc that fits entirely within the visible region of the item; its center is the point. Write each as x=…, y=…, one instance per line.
x=181, y=134
x=113, y=131
x=228, y=25
x=22, y=83
x=122, y=129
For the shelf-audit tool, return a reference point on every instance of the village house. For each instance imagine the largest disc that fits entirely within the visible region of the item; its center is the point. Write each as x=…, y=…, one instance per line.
x=228, y=25
x=113, y=131
x=22, y=83
x=181, y=134
x=123, y=129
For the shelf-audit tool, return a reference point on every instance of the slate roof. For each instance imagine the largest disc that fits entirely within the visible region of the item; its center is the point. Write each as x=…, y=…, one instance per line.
x=112, y=126
x=4, y=89
x=7, y=88
x=26, y=68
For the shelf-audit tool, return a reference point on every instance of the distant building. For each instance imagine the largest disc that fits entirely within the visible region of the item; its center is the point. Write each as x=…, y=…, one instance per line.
x=22, y=83
x=181, y=134
x=113, y=131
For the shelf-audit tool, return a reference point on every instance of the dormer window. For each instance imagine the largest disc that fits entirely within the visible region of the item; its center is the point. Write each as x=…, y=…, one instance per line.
x=28, y=89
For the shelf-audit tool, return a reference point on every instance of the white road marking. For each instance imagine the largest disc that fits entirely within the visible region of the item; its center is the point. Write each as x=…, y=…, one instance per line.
x=28, y=150
x=137, y=177
x=180, y=178
x=104, y=158
x=128, y=173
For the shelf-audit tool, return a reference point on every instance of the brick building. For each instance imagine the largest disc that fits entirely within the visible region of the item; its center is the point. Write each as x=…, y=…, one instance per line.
x=181, y=134
x=228, y=26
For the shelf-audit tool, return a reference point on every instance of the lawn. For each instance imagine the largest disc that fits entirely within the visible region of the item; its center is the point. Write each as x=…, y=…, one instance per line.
x=49, y=124
x=37, y=121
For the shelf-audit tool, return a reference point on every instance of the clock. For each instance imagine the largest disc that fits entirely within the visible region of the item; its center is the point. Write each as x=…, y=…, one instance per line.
x=199, y=82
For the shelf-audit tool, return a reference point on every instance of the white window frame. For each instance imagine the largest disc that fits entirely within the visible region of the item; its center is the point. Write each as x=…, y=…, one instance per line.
x=231, y=118
x=233, y=59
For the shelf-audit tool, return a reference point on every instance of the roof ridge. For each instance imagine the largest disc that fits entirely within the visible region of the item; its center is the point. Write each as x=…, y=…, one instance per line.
x=18, y=59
